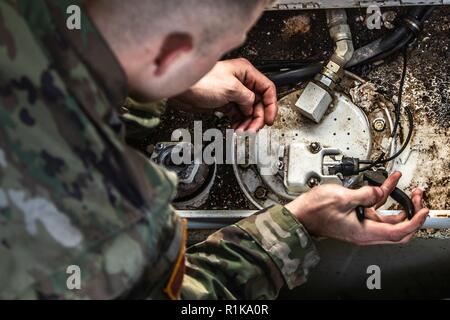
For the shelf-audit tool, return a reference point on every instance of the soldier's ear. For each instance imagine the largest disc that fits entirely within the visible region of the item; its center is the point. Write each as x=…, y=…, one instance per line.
x=174, y=45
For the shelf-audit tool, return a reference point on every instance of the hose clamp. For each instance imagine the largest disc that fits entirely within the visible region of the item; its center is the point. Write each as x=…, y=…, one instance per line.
x=413, y=24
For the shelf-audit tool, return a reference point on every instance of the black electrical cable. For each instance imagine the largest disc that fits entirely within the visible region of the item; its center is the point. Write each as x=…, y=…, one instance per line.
x=372, y=163
x=380, y=159
x=407, y=140
x=398, y=110
x=376, y=50
x=398, y=106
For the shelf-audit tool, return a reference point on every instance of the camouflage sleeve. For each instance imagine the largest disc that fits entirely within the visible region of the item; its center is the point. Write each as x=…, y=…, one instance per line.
x=252, y=259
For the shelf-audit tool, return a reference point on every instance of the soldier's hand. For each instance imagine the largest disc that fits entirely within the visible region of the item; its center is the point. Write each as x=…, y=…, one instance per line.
x=329, y=211
x=237, y=89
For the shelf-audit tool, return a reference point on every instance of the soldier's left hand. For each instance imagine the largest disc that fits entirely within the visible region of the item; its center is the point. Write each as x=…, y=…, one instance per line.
x=237, y=89
x=329, y=211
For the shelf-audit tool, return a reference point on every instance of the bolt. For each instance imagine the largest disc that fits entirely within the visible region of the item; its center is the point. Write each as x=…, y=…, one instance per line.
x=379, y=124
x=280, y=165
x=159, y=146
x=313, y=182
x=315, y=147
x=261, y=193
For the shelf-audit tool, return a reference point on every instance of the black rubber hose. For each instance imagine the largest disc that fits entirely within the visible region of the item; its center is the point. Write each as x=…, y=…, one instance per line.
x=267, y=66
x=387, y=42
x=296, y=76
x=377, y=50
x=379, y=46
x=391, y=43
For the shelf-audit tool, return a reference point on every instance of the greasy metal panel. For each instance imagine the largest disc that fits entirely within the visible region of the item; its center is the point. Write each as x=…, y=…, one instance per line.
x=345, y=128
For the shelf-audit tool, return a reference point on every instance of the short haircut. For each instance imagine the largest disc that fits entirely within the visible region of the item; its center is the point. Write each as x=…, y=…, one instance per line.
x=135, y=20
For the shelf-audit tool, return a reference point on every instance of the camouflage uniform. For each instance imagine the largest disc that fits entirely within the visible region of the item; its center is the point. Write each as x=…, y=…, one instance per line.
x=73, y=193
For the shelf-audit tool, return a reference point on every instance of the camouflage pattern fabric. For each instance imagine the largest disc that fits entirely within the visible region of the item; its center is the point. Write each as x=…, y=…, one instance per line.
x=72, y=192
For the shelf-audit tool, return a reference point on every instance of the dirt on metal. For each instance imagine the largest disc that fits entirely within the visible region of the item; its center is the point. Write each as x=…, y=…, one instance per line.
x=296, y=25
x=303, y=35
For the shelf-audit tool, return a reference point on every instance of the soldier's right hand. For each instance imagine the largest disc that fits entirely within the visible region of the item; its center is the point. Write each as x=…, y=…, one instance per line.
x=237, y=89
x=329, y=211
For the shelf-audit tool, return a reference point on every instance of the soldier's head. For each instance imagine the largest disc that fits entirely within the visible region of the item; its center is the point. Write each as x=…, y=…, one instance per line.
x=165, y=46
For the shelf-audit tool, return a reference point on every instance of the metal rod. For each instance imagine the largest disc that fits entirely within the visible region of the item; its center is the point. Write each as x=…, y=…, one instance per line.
x=217, y=219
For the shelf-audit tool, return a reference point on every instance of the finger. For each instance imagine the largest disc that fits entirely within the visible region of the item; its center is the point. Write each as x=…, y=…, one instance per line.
x=244, y=125
x=366, y=196
x=394, y=219
x=237, y=121
x=417, y=197
x=263, y=87
x=374, y=232
x=258, y=119
x=243, y=97
x=268, y=93
x=391, y=219
x=407, y=239
x=233, y=113
x=372, y=215
x=388, y=186
x=269, y=100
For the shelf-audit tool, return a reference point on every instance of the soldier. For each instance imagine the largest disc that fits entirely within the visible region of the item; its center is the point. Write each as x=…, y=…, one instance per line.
x=73, y=193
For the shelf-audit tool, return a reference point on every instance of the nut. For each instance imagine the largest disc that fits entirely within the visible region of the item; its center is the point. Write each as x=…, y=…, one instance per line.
x=327, y=81
x=315, y=147
x=313, y=182
x=261, y=193
x=280, y=165
x=314, y=102
x=379, y=124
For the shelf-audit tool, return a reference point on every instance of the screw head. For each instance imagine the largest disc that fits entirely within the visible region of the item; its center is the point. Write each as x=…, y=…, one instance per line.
x=315, y=147
x=313, y=182
x=280, y=165
x=261, y=193
x=379, y=124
